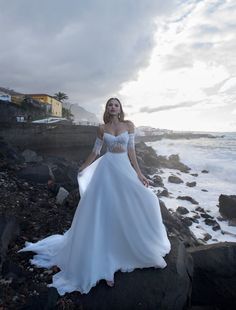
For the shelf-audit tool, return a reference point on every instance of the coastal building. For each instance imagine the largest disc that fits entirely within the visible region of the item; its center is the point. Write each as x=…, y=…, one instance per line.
x=5, y=97
x=47, y=99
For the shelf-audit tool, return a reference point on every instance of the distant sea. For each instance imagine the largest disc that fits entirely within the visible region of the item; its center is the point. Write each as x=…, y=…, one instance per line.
x=216, y=155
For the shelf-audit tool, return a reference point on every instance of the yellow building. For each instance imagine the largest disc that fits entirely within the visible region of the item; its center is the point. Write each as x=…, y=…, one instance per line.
x=56, y=105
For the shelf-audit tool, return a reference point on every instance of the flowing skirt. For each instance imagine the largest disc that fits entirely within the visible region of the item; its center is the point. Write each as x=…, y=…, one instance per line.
x=117, y=226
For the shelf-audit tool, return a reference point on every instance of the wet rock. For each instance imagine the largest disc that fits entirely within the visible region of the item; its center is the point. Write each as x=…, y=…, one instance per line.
x=227, y=206
x=191, y=184
x=182, y=210
x=163, y=193
x=207, y=237
x=31, y=156
x=175, y=179
x=194, y=174
x=187, y=221
x=232, y=222
x=194, y=219
x=157, y=181
x=188, y=198
x=214, y=276
x=147, y=157
x=175, y=226
x=221, y=219
x=200, y=209
x=206, y=216
x=204, y=171
x=213, y=223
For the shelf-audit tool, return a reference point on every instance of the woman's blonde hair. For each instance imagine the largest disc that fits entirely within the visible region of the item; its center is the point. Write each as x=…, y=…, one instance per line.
x=106, y=115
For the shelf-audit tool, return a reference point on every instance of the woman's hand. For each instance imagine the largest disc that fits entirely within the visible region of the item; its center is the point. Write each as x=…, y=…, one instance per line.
x=143, y=179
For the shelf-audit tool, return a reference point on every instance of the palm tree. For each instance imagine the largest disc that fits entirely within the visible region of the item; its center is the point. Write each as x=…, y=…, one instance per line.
x=60, y=96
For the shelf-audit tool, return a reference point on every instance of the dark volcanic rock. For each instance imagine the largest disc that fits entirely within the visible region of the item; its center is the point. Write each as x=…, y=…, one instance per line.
x=147, y=157
x=182, y=210
x=147, y=288
x=31, y=156
x=163, y=193
x=188, y=198
x=172, y=162
x=175, y=179
x=187, y=221
x=191, y=184
x=157, y=181
x=37, y=174
x=9, y=230
x=227, y=206
x=214, y=277
x=213, y=223
x=176, y=227
x=200, y=209
x=207, y=237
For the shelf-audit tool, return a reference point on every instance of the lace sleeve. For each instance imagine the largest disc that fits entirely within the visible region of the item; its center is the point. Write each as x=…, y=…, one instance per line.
x=97, y=146
x=131, y=141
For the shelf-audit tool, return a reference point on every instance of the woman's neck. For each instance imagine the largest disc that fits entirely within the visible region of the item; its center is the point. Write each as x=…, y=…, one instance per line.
x=114, y=120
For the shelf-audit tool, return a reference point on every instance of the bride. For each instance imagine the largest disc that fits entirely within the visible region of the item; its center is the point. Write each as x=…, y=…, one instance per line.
x=117, y=224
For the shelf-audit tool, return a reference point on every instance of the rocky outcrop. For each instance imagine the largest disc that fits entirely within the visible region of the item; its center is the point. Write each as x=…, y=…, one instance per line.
x=227, y=206
x=148, y=160
x=214, y=276
x=175, y=227
x=175, y=135
x=148, y=288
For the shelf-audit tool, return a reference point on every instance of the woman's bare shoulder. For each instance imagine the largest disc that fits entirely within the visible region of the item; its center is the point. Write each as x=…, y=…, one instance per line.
x=130, y=126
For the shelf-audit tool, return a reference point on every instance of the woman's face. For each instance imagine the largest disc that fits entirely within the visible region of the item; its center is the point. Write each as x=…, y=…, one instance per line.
x=113, y=107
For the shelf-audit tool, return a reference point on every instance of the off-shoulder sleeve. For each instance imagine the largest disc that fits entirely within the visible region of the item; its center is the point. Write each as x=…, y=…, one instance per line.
x=97, y=146
x=131, y=144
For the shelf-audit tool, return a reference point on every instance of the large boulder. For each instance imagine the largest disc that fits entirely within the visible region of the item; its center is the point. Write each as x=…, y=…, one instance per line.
x=31, y=156
x=39, y=173
x=214, y=277
x=147, y=288
x=227, y=206
x=175, y=179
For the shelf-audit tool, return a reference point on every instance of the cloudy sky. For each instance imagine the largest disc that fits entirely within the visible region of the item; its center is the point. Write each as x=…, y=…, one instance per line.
x=172, y=63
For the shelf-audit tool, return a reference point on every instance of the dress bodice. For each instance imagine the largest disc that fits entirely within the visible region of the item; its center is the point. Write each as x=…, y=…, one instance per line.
x=115, y=144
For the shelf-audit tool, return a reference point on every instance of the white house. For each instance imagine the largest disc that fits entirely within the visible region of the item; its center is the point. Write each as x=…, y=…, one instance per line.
x=5, y=97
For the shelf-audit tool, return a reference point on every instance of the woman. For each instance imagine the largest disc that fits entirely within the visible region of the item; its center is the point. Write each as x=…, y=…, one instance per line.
x=117, y=224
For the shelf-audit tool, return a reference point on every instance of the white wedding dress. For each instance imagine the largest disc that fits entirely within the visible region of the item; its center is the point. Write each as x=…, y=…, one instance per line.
x=117, y=224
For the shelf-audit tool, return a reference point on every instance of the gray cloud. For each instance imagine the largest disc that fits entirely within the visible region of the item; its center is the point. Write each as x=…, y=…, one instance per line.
x=211, y=36
x=84, y=48
x=168, y=107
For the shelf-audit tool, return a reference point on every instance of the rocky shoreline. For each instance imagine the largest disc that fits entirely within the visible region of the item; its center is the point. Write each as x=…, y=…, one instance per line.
x=175, y=136
x=36, y=190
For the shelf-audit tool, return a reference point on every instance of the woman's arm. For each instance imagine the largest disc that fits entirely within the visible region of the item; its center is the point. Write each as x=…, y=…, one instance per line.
x=133, y=158
x=95, y=151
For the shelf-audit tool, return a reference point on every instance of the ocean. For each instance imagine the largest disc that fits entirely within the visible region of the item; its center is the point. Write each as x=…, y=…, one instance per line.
x=218, y=157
